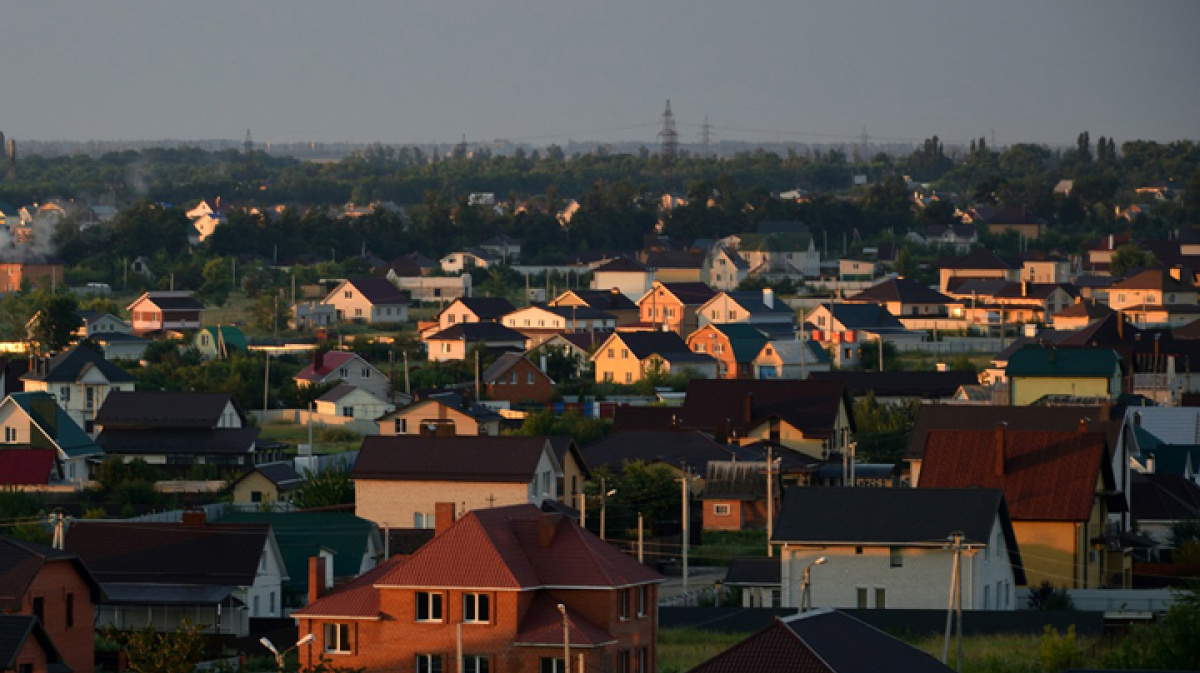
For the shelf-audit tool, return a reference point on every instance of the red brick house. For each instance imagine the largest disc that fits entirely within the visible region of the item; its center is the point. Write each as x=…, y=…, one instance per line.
x=735, y=495
x=513, y=378
x=56, y=587
x=26, y=648
x=500, y=576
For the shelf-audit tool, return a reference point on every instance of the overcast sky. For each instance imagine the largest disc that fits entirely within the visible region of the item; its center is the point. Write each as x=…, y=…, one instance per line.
x=550, y=70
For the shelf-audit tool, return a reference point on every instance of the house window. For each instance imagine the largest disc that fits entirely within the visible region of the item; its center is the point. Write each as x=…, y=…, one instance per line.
x=699, y=347
x=608, y=376
x=445, y=348
x=642, y=661
x=70, y=610
x=256, y=496
x=880, y=598
x=39, y=609
x=641, y=601
x=337, y=638
x=628, y=377
x=348, y=412
x=476, y=663
x=257, y=609
x=349, y=294
x=401, y=426
x=429, y=663
x=429, y=606
x=624, y=353
x=623, y=599
x=64, y=393
x=343, y=372
x=10, y=434
x=477, y=608
x=366, y=372
x=423, y=520
x=897, y=559
x=271, y=603
x=610, y=352
x=721, y=510
x=529, y=378
x=550, y=665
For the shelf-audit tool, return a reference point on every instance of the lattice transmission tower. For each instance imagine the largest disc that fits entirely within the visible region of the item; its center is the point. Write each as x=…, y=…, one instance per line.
x=669, y=136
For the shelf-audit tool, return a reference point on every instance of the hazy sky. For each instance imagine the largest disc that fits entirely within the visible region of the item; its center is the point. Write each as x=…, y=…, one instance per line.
x=549, y=70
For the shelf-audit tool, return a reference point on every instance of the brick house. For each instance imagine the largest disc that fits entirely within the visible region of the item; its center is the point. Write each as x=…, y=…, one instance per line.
x=43, y=273
x=56, y=587
x=513, y=378
x=25, y=647
x=735, y=495
x=498, y=577
x=165, y=311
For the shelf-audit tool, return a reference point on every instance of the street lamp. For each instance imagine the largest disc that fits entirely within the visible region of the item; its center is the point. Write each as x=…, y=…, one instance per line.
x=806, y=586
x=604, y=496
x=566, y=639
x=279, y=656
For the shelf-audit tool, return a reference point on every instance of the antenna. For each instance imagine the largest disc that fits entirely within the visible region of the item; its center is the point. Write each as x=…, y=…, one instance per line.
x=669, y=136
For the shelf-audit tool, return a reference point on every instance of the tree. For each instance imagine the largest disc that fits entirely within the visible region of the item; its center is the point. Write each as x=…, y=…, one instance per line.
x=1127, y=257
x=269, y=313
x=325, y=489
x=1083, y=148
x=56, y=322
x=1046, y=597
x=153, y=652
x=218, y=281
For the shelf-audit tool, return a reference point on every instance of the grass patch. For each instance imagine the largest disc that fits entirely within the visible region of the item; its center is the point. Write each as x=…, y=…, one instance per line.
x=719, y=547
x=683, y=649
x=327, y=439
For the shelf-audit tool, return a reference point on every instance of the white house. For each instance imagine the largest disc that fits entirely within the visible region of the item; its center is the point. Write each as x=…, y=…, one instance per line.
x=351, y=402
x=346, y=367
x=80, y=378
x=34, y=422
x=629, y=276
x=368, y=300
x=887, y=548
x=462, y=260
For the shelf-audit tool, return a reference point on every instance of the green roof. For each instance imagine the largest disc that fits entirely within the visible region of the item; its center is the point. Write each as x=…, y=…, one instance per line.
x=69, y=437
x=234, y=338
x=302, y=535
x=1050, y=362
x=746, y=341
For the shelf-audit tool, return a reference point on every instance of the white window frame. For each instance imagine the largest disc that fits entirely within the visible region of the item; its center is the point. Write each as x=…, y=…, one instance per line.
x=431, y=600
x=430, y=663
x=721, y=509
x=340, y=642
x=474, y=601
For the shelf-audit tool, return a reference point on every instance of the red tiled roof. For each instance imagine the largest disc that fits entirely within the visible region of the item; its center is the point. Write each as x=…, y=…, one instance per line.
x=332, y=360
x=498, y=548
x=26, y=466
x=543, y=626
x=356, y=599
x=1047, y=476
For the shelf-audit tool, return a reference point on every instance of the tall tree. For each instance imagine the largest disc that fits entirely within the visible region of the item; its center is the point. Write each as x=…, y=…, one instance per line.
x=56, y=322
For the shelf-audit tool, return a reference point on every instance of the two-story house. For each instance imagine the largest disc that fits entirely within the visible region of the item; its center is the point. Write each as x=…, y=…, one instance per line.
x=163, y=311
x=626, y=357
x=539, y=323
x=81, y=379
x=1156, y=297
x=775, y=253
x=44, y=441
x=898, y=560
x=759, y=309
x=982, y=263
x=1035, y=371
x=734, y=346
x=903, y=298
x=674, y=306
x=497, y=582
x=1059, y=487
x=349, y=368
x=218, y=575
x=372, y=300
x=845, y=329
x=611, y=301
x=723, y=268
x=515, y=379
x=399, y=479
x=56, y=588
x=628, y=276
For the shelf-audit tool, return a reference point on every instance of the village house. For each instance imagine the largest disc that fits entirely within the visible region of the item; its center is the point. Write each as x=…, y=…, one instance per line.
x=723, y=268
x=399, y=479
x=219, y=342
x=778, y=254
x=32, y=271
x=214, y=574
x=513, y=378
x=311, y=315
x=456, y=342
x=757, y=579
x=94, y=323
x=81, y=379
x=42, y=443
x=960, y=237
x=626, y=357
x=903, y=298
x=674, y=306
x=178, y=430
x=466, y=259
x=434, y=289
x=1017, y=219
x=539, y=323
x=845, y=329
x=988, y=301
x=506, y=248
x=1156, y=297
x=496, y=576
x=1059, y=487
x=682, y=450
x=441, y=413
x=675, y=266
x=759, y=309
x=901, y=387
x=1039, y=267
x=162, y=312
x=48, y=594
x=856, y=269
x=371, y=300
x=1098, y=253
x=1037, y=371
x=579, y=346
x=822, y=641
x=734, y=346
x=344, y=367
x=611, y=302
x=349, y=401
x=1080, y=314
x=630, y=277
x=470, y=310
x=267, y=484
x=982, y=263
x=897, y=561
x=789, y=359
x=735, y=495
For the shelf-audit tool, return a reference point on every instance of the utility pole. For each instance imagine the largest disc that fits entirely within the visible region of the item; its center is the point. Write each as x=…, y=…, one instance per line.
x=770, y=501
x=641, y=539
x=266, y=385
x=684, y=481
x=603, y=505
x=955, y=601
x=566, y=638
x=706, y=134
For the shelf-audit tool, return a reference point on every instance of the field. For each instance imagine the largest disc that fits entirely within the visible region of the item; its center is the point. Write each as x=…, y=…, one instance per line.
x=326, y=439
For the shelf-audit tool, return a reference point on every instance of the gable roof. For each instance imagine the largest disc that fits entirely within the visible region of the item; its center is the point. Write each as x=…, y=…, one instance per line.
x=302, y=535
x=15, y=631
x=378, y=291
x=737, y=480
x=139, y=552
x=821, y=641
x=688, y=294
x=454, y=400
x=871, y=317
x=485, y=308
x=1046, y=476
x=1163, y=497
x=986, y=417
x=745, y=340
x=70, y=439
x=809, y=405
x=281, y=474
x=72, y=364
x=1085, y=308
x=901, y=290
x=678, y=449
x=170, y=301
x=621, y=263
x=1153, y=279
x=20, y=563
x=477, y=331
x=753, y=303
x=504, y=363
x=342, y=390
x=753, y=571
x=331, y=362
x=604, y=300
x=644, y=344
x=163, y=409
x=1050, y=362
x=924, y=384
x=457, y=458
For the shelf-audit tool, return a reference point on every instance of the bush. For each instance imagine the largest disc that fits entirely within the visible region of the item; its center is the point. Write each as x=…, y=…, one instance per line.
x=1047, y=597
x=328, y=434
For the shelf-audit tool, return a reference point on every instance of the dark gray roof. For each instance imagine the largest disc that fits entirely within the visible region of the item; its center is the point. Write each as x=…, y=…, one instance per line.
x=606, y=300
x=161, y=409
x=901, y=290
x=282, y=474
x=73, y=363
x=459, y=403
x=174, y=301
x=737, y=480
x=457, y=458
x=122, y=593
x=505, y=362
x=15, y=631
x=168, y=441
x=337, y=392
x=923, y=384
x=887, y=516
x=379, y=291
x=487, y=308
x=478, y=331
x=645, y=344
x=753, y=302
x=675, y=448
x=986, y=417
x=1164, y=497
x=753, y=571
x=871, y=317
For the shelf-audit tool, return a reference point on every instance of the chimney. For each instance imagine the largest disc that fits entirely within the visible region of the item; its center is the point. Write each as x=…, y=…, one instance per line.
x=1137, y=419
x=319, y=359
x=999, y=467
x=547, y=526
x=1121, y=325
x=1111, y=242
x=1024, y=288
x=316, y=578
x=748, y=408
x=769, y=297
x=443, y=517
x=194, y=518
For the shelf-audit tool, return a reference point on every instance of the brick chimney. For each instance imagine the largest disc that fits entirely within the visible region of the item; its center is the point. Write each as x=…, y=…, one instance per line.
x=194, y=518
x=316, y=578
x=1000, y=432
x=443, y=517
x=547, y=526
x=318, y=359
x=748, y=408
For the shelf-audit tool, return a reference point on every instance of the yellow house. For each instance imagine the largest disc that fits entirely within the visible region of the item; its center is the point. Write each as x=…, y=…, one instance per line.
x=1059, y=487
x=443, y=413
x=266, y=484
x=1037, y=371
x=398, y=481
x=1080, y=314
x=625, y=357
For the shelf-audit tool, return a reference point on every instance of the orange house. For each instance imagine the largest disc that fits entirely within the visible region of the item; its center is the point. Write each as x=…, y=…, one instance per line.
x=499, y=577
x=674, y=306
x=734, y=346
x=39, y=274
